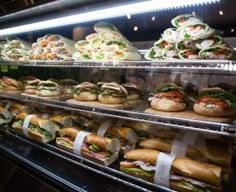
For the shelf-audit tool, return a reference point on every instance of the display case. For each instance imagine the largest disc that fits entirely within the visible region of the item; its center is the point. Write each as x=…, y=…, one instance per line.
x=200, y=143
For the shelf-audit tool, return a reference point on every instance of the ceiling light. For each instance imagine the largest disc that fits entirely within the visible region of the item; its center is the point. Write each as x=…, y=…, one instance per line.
x=135, y=28
x=100, y=13
x=232, y=30
x=128, y=16
x=221, y=12
x=153, y=18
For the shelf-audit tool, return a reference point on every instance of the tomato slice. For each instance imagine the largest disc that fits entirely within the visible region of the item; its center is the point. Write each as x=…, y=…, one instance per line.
x=215, y=101
x=174, y=94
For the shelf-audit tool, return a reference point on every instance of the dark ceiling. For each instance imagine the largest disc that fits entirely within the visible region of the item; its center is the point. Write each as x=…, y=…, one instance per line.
x=221, y=16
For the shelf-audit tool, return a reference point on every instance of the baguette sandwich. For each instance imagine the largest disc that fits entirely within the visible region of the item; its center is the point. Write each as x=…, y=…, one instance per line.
x=211, y=152
x=186, y=175
x=40, y=129
x=96, y=148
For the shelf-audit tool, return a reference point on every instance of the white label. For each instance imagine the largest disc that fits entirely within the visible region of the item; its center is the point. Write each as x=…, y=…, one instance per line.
x=163, y=167
x=181, y=143
x=79, y=142
x=103, y=128
x=26, y=124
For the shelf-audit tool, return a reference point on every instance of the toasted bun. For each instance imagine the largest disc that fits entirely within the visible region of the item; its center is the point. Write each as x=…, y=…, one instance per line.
x=111, y=99
x=133, y=97
x=69, y=131
x=47, y=93
x=212, y=110
x=164, y=104
x=85, y=96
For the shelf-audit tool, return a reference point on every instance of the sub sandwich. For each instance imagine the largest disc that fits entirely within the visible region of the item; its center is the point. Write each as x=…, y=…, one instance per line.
x=40, y=129
x=100, y=149
x=186, y=175
x=127, y=136
x=212, y=151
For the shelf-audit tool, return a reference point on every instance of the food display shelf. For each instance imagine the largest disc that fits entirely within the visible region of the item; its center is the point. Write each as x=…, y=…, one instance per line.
x=12, y=143
x=206, y=127
x=199, y=65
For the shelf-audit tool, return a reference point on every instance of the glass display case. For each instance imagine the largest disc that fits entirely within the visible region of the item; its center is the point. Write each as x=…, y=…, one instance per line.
x=68, y=78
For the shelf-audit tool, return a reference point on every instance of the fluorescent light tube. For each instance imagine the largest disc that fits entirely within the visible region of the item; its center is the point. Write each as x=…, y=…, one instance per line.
x=105, y=13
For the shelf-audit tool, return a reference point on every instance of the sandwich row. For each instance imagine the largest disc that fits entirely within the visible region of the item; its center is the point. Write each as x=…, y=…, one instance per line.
x=191, y=39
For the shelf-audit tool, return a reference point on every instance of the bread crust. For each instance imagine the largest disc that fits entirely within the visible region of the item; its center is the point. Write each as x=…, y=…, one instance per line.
x=85, y=96
x=212, y=110
x=164, y=104
x=111, y=100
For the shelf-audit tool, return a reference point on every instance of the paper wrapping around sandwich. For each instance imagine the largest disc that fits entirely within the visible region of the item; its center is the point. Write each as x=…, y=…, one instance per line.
x=123, y=133
x=5, y=116
x=208, y=173
x=41, y=123
x=212, y=153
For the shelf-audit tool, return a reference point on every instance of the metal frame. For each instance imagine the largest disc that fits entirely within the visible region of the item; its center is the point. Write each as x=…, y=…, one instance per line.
x=224, y=66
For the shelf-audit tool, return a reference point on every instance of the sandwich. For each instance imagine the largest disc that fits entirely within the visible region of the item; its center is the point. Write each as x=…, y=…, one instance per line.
x=217, y=52
x=96, y=148
x=40, y=129
x=17, y=108
x=168, y=97
x=86, y=91
x=112, y=93
x=185, y=20
x=127, y=136
x=31, y=86
x=186, y=175
x=68, y=86
x=212, y=151
x=134, y=92
x=9, y=84
x=48, y=89
x=215, y=102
